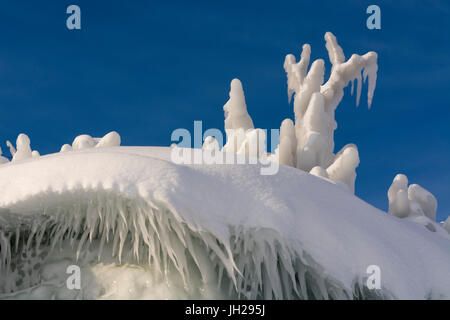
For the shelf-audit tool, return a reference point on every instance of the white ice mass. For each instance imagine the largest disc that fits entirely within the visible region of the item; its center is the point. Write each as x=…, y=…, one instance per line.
x=143, y=227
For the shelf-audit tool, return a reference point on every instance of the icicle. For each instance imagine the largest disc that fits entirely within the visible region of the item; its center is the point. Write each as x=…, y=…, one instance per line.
x=370, y=71
x=250, y=264
x=358, y=88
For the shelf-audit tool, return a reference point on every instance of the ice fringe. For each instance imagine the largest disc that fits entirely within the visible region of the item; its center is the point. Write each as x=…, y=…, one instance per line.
x=250, y=264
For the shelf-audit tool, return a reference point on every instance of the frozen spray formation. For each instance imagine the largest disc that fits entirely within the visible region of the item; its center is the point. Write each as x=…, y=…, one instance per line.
x=307, y=142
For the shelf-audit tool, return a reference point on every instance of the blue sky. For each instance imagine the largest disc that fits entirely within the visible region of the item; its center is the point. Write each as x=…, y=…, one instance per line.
x=146, y=68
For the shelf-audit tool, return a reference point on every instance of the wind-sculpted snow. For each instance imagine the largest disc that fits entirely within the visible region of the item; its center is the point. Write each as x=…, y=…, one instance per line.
x=140, y=226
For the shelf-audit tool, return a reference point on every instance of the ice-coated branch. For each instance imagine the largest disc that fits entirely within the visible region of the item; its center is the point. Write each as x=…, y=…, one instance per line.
x=315, y=104
x=335, y=52
x=343, y=72
x=308, y=142
x=297, y=71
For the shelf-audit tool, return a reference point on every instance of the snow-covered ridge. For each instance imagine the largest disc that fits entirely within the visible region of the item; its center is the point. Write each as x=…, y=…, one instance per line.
x=311, y=222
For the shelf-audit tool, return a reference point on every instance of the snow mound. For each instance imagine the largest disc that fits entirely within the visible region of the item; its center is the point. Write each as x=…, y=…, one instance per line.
x=133, y=220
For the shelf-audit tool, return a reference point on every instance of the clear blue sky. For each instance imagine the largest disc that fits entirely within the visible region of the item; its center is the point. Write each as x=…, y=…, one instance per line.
x=146, y=68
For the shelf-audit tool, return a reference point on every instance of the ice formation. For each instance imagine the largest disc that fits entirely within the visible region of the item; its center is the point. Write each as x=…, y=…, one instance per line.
x=83, y=141
x=23, y=148
x=66, y=147
x=12, y=150
x=239, y=127
x=409, y=201
x=308, y=142
x=111, y=139
x=315, y=104
x=141, y=226
x=236, y=115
